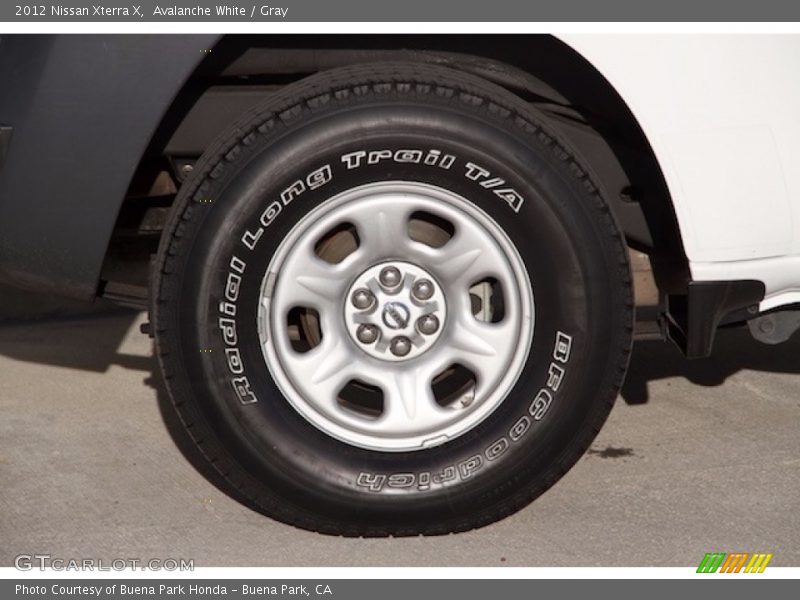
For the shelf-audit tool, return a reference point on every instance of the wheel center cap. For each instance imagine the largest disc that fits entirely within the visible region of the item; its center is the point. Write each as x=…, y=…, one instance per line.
x=396, y=315
x=395, y=310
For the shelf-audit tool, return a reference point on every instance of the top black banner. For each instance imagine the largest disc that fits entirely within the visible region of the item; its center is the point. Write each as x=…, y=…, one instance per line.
x=463, y=11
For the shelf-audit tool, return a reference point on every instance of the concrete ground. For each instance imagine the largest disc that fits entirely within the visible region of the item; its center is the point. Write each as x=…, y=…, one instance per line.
x=696, y=457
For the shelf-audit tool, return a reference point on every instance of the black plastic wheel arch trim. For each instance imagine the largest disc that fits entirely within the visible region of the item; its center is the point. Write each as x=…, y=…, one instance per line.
x=693, y=318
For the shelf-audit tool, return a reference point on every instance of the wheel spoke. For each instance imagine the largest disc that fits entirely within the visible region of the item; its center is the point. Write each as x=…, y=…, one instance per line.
x=467, y=258
x=307, y=280
x=325, y=369
x=408, y=400
x=484, y=348
x=383, y=231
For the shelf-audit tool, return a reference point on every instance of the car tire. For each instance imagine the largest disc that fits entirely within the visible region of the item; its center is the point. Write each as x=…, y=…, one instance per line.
x=390, y=302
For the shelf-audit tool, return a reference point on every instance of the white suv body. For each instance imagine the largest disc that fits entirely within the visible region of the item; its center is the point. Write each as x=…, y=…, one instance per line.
x=721, y=114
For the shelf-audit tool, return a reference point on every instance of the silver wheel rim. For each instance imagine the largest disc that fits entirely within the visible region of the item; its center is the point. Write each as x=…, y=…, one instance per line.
x=432, y=307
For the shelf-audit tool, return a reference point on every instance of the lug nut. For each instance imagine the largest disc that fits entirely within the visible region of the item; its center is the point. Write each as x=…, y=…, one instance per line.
x=367, y=334
x=428, y=324
x=422, y=290
x=362, y=298
x=389, y=277
x=400, y=346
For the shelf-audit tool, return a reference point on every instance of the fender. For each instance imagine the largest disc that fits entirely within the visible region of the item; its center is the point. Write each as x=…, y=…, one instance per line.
x=64, y=97
x=720, y=112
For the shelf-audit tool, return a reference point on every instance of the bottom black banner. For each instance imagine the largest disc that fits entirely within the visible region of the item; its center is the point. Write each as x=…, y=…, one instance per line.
x=383, y=589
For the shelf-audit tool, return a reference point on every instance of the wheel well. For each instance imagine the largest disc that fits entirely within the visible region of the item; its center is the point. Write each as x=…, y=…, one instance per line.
x=578, y=103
